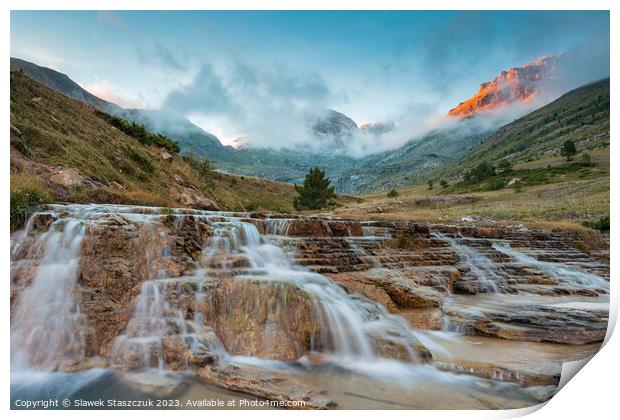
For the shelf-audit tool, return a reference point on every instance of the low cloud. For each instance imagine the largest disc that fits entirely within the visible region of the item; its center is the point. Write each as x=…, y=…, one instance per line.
x=107, y=90
x=266, y=105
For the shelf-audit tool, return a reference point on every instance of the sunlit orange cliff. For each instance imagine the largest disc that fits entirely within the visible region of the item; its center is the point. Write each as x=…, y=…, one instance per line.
x=519, y=84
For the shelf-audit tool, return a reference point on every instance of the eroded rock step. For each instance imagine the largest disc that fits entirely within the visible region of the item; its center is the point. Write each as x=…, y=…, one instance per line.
x=402, y=266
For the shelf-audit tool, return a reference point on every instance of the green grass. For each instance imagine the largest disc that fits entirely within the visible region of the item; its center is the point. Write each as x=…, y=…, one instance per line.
x=26, y=194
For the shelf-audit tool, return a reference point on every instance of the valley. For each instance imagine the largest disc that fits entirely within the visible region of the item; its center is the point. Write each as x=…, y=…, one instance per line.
x=460, y=270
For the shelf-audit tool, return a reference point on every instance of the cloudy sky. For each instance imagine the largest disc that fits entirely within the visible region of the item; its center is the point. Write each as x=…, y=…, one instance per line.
x=232, y=71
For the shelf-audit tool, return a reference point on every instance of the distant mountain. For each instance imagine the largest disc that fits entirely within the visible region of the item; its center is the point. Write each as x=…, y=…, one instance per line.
x=581, y=115
x=409, y=163
x=518, y=84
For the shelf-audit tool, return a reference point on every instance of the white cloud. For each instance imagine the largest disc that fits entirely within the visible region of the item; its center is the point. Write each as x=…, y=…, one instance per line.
x=107, y=90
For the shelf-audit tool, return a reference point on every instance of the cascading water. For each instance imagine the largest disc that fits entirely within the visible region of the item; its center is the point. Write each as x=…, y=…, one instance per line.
x=563, y=273
x=480, y=266
x=175, y=322
x=353, y=324
x=47, y=327
x=159, y=318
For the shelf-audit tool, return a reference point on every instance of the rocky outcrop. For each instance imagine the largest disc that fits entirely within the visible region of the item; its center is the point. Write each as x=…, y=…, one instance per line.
x=270, y=319
x=519, y=84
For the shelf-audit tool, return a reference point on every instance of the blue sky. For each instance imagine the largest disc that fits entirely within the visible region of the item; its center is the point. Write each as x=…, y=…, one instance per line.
x=227, y=70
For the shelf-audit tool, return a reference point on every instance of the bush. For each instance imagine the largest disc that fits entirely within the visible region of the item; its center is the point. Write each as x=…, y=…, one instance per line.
x=139, y=157
x=481, y=172
x=586, y=159
x=444, y=184
x=140, y=133
x=504, y=166
x=316, y=193
x=204, y=168
x=392, y=193
x=494, y=184
x=430, y=184
x=251, y=206
x=601, y=224
x=518, y=187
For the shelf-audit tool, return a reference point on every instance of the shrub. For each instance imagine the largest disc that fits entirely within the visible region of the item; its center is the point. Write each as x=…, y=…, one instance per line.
x=316, y=193
x=140, y=133
x=430, y=184
x=392, y=193
x=137, y=156
x=495, y=184
x=504, y=166
x=518, y=187
x=481, y=172
x=251, y=206
x=586, y=159
x=203, y=168
x=602, y=224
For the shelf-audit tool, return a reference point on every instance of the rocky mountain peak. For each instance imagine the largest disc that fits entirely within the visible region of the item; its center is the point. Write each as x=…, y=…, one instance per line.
x=518, y=84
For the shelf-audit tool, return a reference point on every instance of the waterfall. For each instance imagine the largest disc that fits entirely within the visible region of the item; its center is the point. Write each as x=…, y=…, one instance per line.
x=353, y=324
x=564, y=274
x=159, y=321
x=479, y=265
x=47, y=327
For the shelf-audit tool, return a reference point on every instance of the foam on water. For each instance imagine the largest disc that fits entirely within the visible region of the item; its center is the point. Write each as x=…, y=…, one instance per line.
x=564, y=274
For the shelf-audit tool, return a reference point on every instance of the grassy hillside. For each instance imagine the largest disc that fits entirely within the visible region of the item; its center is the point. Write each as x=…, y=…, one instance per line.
x=65, y=150
x=581, y=115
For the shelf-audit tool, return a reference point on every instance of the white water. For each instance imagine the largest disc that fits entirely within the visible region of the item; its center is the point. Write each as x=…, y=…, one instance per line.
x=47, y=326
x=352, y=323
x=483, y=269
x=564, y=274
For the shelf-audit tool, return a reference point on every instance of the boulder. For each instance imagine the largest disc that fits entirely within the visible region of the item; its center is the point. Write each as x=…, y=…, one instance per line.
x=69, y=177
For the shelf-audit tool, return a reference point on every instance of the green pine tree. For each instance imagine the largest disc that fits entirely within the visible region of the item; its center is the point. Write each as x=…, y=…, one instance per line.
x=568, y=150
x=316, y=193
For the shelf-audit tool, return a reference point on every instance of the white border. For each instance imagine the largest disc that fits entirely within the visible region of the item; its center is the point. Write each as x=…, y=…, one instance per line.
x=591, y=395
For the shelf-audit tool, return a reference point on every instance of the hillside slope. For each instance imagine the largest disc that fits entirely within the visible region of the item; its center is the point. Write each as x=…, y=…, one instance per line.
x=191, y=138
x=581, y=115
x=65, y=150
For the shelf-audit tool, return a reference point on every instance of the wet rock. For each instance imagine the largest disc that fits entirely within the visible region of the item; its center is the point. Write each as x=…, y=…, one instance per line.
x=272, y=385
x=531, y=321
x=426, y=319
x=309, y=228
x=391, y=287
x=156, y=385
x=342, y=228
x=270, y=319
